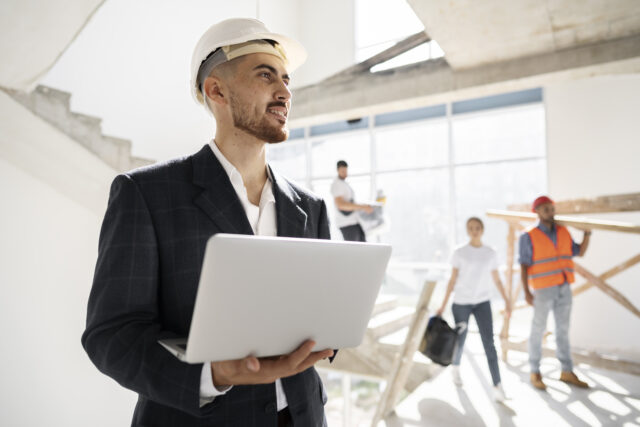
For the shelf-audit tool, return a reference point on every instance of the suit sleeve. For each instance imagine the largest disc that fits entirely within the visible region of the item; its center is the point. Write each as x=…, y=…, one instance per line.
x=323, y=223
x=123, y=320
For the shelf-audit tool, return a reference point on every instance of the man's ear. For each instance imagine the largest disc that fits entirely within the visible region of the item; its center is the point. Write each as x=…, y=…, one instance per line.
x=214, y=90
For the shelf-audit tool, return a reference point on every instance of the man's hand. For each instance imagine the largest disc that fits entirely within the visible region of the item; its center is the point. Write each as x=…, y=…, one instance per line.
x=440, y=311
x=368, y=209
x=252, y=370
x=529, y=297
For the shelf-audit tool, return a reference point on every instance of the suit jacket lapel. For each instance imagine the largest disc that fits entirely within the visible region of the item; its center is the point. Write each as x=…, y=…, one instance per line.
x=218, y=198
x=292, y=220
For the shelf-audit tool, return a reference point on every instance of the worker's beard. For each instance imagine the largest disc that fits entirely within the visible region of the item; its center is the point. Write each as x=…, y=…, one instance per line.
x=261, y=128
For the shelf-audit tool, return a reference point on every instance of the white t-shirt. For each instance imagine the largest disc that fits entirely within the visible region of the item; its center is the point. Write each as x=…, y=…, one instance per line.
x=474, y=265
x=340, y=188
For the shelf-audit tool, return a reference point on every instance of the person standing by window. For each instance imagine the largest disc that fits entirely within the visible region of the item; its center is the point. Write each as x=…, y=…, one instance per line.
x=475, y=266
x=343, y=196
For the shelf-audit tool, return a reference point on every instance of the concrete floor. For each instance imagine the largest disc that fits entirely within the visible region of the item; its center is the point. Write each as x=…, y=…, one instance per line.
x=614, y=398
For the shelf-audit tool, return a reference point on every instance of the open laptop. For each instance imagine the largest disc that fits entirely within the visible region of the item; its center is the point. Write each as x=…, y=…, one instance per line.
x=264, y=296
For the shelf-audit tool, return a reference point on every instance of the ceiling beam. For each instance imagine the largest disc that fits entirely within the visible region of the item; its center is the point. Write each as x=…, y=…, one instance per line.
x=434, y=81
x=399, y=48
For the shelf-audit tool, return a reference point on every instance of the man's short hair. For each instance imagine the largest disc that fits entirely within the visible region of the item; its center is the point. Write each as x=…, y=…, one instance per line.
x=342, y=164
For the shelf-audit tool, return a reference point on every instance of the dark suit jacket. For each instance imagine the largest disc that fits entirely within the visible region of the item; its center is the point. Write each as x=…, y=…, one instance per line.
x=151, y=249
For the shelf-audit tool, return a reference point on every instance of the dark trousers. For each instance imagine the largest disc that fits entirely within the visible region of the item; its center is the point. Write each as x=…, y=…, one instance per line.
x=484, y=319
x=353, y=233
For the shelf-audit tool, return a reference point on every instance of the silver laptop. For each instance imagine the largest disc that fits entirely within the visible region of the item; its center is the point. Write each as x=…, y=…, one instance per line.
x=264, y=296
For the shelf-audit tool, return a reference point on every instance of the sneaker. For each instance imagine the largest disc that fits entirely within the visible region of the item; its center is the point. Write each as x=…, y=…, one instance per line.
x=571, y=378
x=498, y=393
x=455, y=373
x=536, y=381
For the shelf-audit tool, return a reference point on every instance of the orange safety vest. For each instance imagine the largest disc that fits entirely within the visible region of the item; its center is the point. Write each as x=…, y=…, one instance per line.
x=552, y=264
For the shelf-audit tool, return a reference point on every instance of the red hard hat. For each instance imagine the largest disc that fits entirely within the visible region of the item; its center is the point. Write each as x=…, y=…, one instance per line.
x=540, y=201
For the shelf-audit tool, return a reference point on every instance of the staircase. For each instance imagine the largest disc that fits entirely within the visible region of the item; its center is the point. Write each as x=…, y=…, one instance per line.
x=386, y=334
x=53, y=106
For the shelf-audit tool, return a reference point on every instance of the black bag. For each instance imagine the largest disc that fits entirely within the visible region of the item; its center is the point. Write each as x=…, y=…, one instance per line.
x=440, y=341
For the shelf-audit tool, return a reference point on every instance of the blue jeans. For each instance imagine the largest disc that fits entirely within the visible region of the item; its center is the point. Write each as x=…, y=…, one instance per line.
x=558, y=299
x=484, y=319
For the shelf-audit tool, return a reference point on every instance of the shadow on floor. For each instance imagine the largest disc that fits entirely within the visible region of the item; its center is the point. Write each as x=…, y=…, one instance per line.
x=559, y=397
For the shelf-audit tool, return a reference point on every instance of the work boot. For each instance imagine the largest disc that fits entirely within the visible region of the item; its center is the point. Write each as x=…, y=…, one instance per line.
x=536, y=381
x=571, y=378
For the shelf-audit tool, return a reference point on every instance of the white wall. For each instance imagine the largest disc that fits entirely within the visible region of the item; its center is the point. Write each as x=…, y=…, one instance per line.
x=53, y=194
x=48, y=251
x=593, y=133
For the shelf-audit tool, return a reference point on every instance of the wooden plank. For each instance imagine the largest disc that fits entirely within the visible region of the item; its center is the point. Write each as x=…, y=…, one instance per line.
x=616, y=203
x=375, y=363
x=580, y=223
x=606, y=288
x=508, y=280
x=588, y=285
x=608, y=274
x=404, y=360
x=590, y=358
x=517, y=307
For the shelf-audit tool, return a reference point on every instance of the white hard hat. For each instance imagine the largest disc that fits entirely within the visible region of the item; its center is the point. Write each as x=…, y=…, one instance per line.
x=235, y=31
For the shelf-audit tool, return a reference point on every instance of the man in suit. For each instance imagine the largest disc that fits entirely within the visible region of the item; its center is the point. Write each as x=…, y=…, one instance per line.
x=153, y=237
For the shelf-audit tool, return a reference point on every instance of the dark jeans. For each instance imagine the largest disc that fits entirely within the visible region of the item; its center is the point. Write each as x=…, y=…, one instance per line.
x=353, y=233
x=484, y=319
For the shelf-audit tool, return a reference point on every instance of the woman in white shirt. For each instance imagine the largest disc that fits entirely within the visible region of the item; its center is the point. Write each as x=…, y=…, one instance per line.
x=475, y=266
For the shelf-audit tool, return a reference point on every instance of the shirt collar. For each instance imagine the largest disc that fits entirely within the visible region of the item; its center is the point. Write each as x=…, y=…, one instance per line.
x=226, y=164
x=235, y=177
x=546, y=229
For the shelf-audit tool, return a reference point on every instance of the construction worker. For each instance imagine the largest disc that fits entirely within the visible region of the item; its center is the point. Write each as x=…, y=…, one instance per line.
x=546, y=252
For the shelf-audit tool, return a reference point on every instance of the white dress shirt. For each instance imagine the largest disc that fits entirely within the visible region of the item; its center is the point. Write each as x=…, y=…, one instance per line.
x=263, y=223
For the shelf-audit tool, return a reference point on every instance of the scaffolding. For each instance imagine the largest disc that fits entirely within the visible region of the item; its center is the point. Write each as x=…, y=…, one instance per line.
x=515, y=217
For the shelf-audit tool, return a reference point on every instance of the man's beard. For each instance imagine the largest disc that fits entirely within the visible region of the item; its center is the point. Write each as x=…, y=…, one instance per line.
x=261, y=129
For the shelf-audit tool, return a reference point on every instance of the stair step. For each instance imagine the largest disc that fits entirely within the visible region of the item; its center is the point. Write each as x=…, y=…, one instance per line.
x=396, y=338
x=53, y=106
x=384, y=303
x=390, y=321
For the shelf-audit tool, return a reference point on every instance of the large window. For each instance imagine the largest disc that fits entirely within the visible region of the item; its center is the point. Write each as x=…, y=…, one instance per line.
x=412, y=146
x=418, y=211
x=507, y=133
x=437, y=166
x=326, y=152
x=290, y=159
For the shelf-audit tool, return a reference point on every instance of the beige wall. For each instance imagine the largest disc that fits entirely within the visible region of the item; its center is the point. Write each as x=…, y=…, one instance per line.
x=593, y=139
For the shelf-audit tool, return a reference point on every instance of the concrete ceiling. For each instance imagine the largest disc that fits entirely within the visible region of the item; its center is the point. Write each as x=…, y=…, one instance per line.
x=35, y=34
x=473, y=33
x=490, y=46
